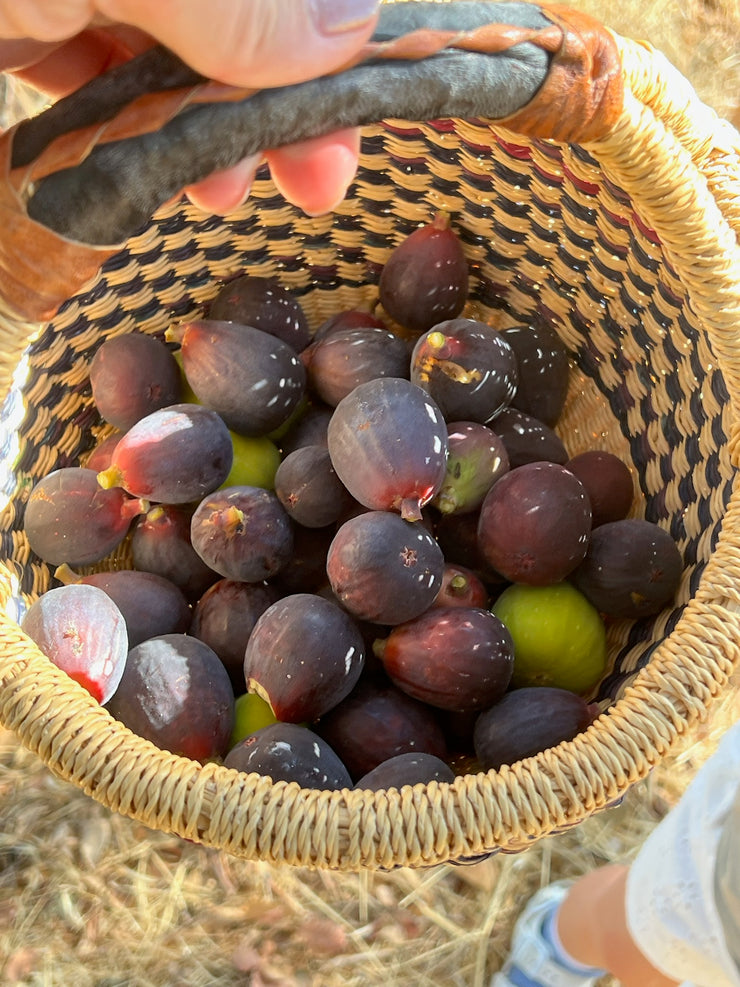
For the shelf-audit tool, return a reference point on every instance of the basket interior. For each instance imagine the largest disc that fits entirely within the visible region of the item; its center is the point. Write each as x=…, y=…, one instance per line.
x=548, y=236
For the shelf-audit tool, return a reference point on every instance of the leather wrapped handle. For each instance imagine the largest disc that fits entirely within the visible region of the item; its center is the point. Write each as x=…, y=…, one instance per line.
x=95, y=167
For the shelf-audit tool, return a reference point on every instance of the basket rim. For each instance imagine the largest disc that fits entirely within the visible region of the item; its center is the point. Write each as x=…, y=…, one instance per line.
x=646, y=157
x=596, y=768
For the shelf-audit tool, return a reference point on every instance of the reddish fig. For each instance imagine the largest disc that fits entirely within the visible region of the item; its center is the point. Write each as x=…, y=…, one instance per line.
x=632, y=568
x=174, y=456
x=70, y=518
x=455, y=658
x=303, y=657
x=377, y=721
x=388, y=444
x=176, y=693
x=425, y=279
x=252, y=379
x=384, y=569
x=608, y=483
x=265, y=304
x=132, y=375
x=406, y=769
x=81, y=630
x=150, y=604
x=288, y=752
x=528, y=721
x=461, y=587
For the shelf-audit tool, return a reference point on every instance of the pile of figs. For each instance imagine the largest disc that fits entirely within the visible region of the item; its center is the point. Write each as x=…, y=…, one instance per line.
x=355, y=557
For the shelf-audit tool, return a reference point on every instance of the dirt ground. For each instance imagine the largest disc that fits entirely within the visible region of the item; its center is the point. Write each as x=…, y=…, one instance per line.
x=91, y=899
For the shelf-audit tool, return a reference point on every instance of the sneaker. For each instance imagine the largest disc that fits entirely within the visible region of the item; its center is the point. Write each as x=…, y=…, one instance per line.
x=535, y=959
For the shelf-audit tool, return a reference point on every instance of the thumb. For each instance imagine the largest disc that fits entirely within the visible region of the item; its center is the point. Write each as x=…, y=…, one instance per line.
x=253, y=43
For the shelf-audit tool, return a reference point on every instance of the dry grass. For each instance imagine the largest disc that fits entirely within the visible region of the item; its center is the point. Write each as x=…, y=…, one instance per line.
x=92, y=899
x=700, y=37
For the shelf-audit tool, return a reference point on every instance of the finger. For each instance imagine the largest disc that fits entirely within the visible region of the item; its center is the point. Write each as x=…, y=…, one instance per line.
x=259, y=44
x=44, y=20
x=315, y=174
x=225, y=190
x=20, y=53
x=59, y=69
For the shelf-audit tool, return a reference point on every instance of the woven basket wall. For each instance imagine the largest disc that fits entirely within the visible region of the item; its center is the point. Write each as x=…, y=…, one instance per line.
x=628, y=246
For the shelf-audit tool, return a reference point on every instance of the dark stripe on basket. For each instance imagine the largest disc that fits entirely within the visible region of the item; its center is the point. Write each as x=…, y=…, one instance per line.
x=549, y=236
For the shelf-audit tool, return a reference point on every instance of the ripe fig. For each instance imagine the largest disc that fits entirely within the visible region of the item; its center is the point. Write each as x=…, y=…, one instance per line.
x=160, y=543
x=99, y=457
x=70, y=518
x=252, y=379
x=527, y=440
x=528, y=721
x=467, y=368
x=309, y=489
x=384, y=569
x=303, y=657
x=632, y=568
x=224, y=617
x=288, y=752
x=243, y=533
x=535, y=523
x=375, y=722
x=461, y=588
x=339, y=361
x=132, y=375
x=608, y=483
x=151, y=605
x=81, y=630
x=348, y=319
x=543, y=370
x=406, y=769
x=398, y=435
x=308, y=430
x=457, y=536
x=306, y=572
x=176, y=693
x=425, y=279
x=264, y=304
x=174, y=456
x=456, y=658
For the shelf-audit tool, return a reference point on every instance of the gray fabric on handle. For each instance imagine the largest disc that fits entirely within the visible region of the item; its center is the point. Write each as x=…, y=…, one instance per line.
x=118, y=187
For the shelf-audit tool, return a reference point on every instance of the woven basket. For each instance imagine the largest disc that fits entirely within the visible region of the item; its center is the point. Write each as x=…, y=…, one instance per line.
x=609, y=205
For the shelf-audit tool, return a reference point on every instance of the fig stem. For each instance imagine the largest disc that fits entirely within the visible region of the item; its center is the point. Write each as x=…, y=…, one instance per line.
x=259, y=690
x=411, y=509
x=174, y=334
x=446, y=503
x=66, y=574
x=111, y=477
x=379, y=647
x=231, y=519
x=134, y=506
x=441, y=220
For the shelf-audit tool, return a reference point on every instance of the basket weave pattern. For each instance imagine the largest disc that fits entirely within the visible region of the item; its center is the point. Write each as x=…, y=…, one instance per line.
x=628, y=247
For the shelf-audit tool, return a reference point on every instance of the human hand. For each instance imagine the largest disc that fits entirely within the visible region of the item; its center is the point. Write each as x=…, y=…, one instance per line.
x=58, y=46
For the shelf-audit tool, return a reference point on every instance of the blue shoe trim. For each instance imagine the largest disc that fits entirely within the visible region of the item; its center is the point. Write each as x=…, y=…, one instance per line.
x=520, y=979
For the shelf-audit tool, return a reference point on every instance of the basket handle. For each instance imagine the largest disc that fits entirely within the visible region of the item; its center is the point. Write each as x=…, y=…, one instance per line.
x=86, y=174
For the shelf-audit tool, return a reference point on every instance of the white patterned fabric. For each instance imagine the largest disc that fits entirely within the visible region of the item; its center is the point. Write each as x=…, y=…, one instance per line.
x=679, y=917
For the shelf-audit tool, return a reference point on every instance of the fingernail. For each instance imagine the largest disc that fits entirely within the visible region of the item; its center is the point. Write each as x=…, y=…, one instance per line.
x=338, y=16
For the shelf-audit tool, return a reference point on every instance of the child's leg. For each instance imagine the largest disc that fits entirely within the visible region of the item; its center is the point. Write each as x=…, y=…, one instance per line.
x=592, y=927
x=658, y=922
